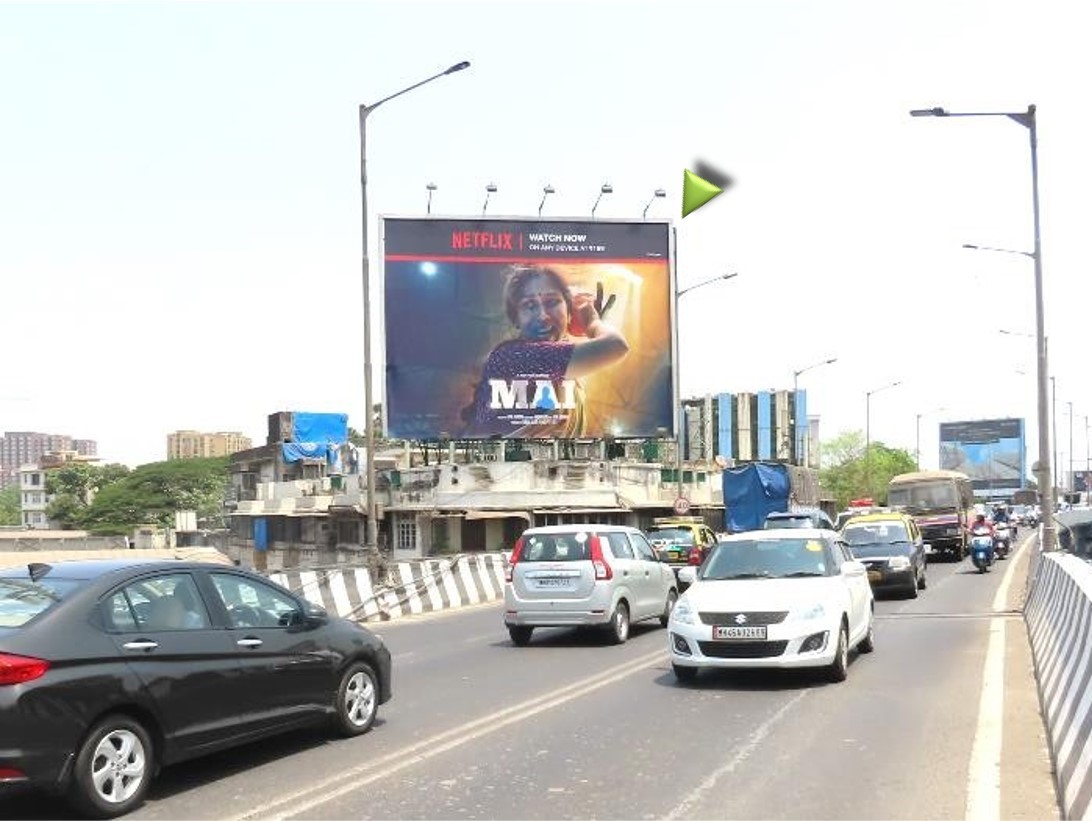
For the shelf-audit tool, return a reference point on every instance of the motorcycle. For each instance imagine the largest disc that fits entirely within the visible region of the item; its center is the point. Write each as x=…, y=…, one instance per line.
x=982, y=549
x=1002, y=540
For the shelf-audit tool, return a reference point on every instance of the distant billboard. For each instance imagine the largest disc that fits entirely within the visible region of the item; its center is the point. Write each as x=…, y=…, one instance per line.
x=990, y=451
x=527, y=329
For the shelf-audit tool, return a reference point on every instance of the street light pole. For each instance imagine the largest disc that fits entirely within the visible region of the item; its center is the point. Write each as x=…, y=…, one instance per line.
x=371, y=539
x=868, y=434
x=678, y=379
x=917, y=434
x=1046, y=487
x=795, y=388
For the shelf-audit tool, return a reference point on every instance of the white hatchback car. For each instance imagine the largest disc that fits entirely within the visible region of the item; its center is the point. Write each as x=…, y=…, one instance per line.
x=774, y=598
x=585, y=575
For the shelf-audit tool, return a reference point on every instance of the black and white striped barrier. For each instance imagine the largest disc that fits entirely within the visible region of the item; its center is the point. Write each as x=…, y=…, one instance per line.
x=422, y=586
x=1059, y=619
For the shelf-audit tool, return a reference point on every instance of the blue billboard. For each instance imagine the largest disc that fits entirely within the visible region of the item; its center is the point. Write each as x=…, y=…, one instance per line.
x=992, y=452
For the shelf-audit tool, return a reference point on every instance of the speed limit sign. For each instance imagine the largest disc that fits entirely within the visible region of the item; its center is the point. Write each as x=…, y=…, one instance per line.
x=681, y=506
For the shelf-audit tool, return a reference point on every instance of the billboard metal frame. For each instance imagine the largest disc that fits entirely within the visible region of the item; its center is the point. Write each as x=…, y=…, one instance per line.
x=672, y=291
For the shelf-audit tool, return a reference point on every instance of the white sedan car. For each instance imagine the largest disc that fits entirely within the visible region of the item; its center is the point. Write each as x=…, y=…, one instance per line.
x=777, y=599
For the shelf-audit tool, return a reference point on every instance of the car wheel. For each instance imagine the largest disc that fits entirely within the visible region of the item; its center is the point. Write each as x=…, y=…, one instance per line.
x=521, y=636
x=839, y=668
x=868, y=643
x=619, y=624
x=113, y=768
x=684, y=673
x=912, y=590
x=357, y=700
x=922, y=581
x=669, y=605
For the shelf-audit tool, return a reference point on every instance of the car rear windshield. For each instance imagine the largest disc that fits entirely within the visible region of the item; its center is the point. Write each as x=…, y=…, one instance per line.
x=556, y=547
x=23, y=599
x=788, y=521
x=674, y=535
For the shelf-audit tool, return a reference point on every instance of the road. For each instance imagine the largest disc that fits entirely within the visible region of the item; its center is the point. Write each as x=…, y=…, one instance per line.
x=572, y=728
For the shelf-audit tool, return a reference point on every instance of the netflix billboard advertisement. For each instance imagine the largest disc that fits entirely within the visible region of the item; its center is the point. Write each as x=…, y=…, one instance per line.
x=527, y=329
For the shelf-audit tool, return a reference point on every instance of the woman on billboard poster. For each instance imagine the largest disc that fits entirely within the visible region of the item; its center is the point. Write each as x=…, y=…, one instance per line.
x=530, y=385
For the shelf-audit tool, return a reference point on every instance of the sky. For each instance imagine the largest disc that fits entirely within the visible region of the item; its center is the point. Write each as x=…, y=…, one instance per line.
x=180, y=224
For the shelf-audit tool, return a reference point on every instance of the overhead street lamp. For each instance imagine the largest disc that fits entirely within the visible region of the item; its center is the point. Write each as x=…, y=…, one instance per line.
x=546, y=191
x=1046, y=487
x=490, y=190
x=795, y=381
x=431, y=187
x=868, y=433
x=678, y=380
x=659, y=193
x=917, y=433
x=606, y=188
x=371, y=540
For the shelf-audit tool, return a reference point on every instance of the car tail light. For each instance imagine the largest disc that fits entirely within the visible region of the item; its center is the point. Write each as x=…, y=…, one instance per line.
x=694, y=557
x=11, y=774
x=17, y=669
x=603, y=570
x=513, y=559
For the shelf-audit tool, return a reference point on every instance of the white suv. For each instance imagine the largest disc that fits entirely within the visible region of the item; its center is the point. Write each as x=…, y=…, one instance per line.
x=585, y=575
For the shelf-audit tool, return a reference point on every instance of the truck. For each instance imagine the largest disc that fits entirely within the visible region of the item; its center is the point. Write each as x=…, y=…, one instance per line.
x=941, y=503
x=754, y=490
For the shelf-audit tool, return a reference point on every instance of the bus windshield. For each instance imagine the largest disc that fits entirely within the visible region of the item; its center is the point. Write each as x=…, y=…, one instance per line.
x=926, y=496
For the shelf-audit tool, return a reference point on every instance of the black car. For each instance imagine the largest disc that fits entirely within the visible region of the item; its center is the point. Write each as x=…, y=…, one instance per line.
x=112, y=669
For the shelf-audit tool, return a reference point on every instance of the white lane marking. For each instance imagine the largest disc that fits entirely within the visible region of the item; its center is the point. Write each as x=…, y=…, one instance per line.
x=984, y=772
x=684, y=809
x=356, y=777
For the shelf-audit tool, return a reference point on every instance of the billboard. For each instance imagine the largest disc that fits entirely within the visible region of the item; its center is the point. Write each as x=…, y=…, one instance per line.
x=527, y=329
x=990, y=451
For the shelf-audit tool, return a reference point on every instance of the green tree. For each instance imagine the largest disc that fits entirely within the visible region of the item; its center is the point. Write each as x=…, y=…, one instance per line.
x=849, y=473
x=152, y=493
x=11, y=511
x=74, y=486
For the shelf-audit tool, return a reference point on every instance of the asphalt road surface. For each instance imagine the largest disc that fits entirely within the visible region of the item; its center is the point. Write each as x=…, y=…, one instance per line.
x=942, y=721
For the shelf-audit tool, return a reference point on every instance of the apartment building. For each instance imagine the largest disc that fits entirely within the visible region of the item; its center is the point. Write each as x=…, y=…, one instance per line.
x=192, y=444
x=18, y=448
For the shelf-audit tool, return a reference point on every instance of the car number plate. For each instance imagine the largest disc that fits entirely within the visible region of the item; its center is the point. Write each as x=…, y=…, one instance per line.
x=552, y=582
x=757, y=633
x=874, y=575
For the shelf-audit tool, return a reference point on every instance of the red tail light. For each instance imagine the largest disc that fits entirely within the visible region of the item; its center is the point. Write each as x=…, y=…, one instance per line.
x=11, y=774
x=603, y=571
x=694, y=557
x=516, y=551
x=17, y=669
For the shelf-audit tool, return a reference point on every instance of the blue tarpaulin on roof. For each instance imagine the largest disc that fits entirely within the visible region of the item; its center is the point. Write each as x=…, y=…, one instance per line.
x=751, y=493
x=327, y=428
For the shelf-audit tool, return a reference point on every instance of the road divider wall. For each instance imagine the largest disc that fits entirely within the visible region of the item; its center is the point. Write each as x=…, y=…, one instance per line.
x=402, y=588
x=1059, y=620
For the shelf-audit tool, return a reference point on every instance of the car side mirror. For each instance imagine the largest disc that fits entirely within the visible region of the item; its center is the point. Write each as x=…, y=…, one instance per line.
x=853, y=569
x=312, y=616
x=688, y=575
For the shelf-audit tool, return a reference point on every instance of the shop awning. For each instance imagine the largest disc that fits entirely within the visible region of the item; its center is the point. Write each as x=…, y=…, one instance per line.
x=497, y=514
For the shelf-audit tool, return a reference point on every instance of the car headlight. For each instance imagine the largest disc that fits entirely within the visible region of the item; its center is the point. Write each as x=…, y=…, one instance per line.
x=814, y=611
x=898, y=562
x=682, y=613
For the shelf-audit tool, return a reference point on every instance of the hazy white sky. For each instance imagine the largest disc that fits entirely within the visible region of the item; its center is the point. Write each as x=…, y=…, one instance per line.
x=180, y=200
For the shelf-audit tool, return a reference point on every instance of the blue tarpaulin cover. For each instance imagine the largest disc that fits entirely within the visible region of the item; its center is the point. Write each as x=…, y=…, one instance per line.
x=316, y=436
x=751, y=493
x=328, y=428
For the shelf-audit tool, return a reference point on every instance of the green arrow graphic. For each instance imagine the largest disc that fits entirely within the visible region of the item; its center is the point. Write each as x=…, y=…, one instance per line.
x=696, y=192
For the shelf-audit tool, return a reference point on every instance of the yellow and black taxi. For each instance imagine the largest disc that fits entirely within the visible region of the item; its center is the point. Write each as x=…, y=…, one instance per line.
x=890, y=546
x=682, y=541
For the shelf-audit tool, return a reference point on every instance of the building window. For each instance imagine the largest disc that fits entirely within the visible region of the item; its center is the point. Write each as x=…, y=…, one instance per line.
x=406, y=537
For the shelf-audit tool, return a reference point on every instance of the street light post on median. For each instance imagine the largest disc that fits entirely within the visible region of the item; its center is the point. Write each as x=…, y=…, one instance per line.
x=868, y=434
x=795, y=382
x=1046, y=486
x=371, y=539
x=678, y=402
x=917, y=434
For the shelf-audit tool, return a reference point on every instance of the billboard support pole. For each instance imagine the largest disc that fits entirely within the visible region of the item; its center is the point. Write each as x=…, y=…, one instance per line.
x=371, y=539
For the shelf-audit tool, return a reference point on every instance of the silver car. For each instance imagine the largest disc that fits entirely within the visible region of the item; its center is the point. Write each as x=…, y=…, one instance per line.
x=585, y=575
